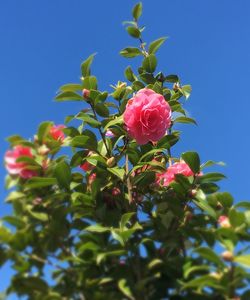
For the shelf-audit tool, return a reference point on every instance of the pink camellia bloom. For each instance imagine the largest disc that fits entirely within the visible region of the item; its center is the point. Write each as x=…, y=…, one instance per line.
x=147, y=116
x=169, y=176
x=57, y=133
x=19, y=168
x=224, y=222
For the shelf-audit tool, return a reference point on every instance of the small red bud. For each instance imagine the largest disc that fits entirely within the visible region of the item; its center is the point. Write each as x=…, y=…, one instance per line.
x=116, y=191
x=85, y=93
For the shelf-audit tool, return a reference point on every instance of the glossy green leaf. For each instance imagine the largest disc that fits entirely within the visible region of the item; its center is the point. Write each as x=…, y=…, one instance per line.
x=193, y=160
x=85, y=66
x=149, y=63
x=40, y=182
x=133, y=31
x=137, y=11
x=125, y=289
x=130, y=52
x=63, y=174
x=68, y=96
x=155, y=45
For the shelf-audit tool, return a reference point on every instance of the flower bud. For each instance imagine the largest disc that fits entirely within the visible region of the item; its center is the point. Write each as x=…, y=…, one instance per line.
x=37, y=201
x=111, y=162
x=116, y=191
x=109, y=133
x=227, y=256
x=85, y=93
x=224, y=222
x=43, y=150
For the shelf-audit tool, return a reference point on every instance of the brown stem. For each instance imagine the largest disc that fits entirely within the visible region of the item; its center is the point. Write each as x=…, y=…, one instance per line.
x=101, y=133
x=130, y=199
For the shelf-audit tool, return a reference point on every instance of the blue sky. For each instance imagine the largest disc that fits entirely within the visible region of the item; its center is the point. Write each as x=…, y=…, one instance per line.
x=44, y=42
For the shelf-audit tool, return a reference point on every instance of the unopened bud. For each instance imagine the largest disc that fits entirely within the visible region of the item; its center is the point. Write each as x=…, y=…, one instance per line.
x=116, y=191
x=176, y=86
x=43, y=150
x=111, y=162
x=37, y=201
x=224, y=222
x=85, y=93
x=193, y=193
x=227, y=256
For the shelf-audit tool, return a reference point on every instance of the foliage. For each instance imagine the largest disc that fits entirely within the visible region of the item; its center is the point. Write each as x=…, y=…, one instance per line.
x=103, y=219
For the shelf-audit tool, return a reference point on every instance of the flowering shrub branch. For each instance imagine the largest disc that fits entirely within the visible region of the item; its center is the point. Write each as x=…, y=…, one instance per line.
x=119, y=217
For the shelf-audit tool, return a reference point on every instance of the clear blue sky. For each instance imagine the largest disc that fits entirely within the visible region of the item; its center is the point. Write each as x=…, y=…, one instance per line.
x=44, y=42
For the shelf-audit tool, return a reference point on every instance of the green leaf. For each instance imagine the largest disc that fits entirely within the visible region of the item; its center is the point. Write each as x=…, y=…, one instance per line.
x=243, y=260
x=88, y=119
x=80, y=141
x=133, y=31
x=137, y=85
x=201, y=202
x=172, y=78
x=116, y=121
x=63, y=174
x=102, y=110
x=90, y=83
x=68, y=96
x=71, y=87
x=43, y=130
x=40, y=182
x=236, y=218
x=5, y=234
x=137, y=11
x=193, y=160
x=116, y=236
x=41, y=216
x=186, y=90
x=129, y=74
x=119, y=172
x=149, y=63
x=130, y=52
x=85, y=66
x=126, y=218
x=97, y=228
x=193, y=269
x=102, y=256
x=125, y=289
x=211, y=177
x=14, y=221
x=210, y=163
x=155, y=45
x=185, y=120
x=210, y=255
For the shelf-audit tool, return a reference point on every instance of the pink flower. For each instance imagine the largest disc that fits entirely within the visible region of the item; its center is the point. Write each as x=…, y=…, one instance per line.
x=169, y=176
x=57, y=133
x=224, y=222
x=147, y=116
x=19, y=168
